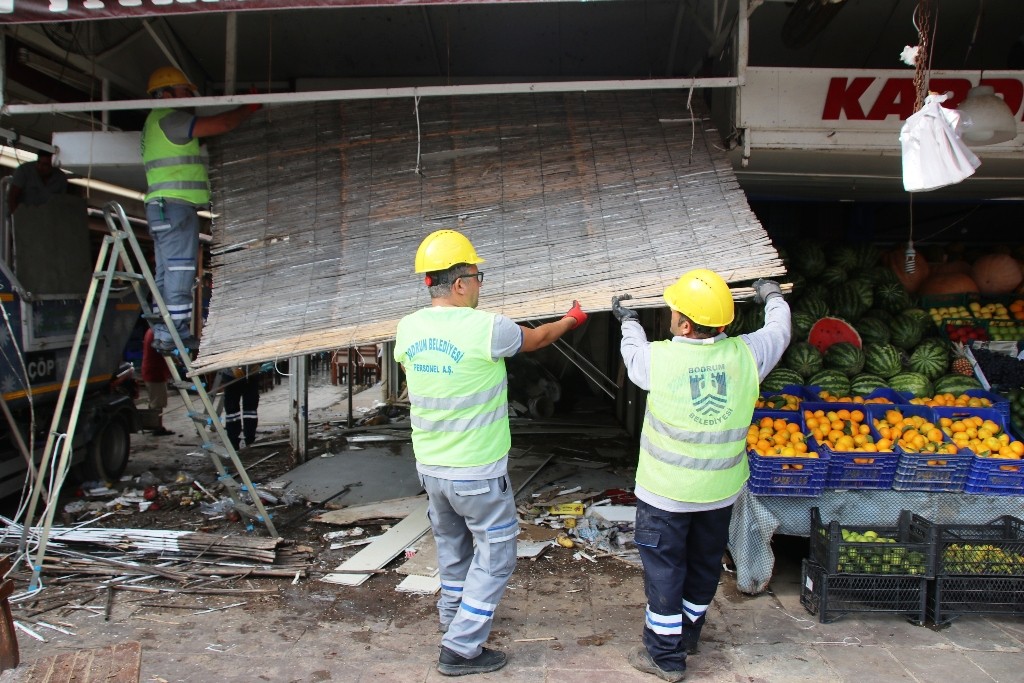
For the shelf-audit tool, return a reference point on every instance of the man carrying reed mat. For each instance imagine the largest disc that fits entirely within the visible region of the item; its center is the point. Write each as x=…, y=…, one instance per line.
x=693, y=461
x=453, y=357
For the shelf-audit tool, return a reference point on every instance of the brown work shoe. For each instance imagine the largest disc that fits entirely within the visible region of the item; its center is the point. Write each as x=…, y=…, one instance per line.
x=640, y=659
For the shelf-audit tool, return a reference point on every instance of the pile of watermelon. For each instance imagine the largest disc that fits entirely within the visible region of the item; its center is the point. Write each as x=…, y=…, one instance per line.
x=855, y=328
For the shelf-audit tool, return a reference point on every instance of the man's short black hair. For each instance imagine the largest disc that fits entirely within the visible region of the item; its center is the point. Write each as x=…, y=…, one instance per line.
x=700, y=331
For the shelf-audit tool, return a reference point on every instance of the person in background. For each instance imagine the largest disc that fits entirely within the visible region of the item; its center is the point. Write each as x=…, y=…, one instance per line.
x=178, y=187
x=34, y=182
x=155, y=374
x=453, y=356
x=241, y=401
x=693, y=461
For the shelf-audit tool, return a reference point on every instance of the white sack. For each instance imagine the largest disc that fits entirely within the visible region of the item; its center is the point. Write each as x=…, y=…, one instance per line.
x=933, y=153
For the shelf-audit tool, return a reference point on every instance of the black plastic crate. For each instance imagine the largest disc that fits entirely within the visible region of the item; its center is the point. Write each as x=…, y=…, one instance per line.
x=953, y=596
x=993, y=549
x=830, y=596
x=912, y=552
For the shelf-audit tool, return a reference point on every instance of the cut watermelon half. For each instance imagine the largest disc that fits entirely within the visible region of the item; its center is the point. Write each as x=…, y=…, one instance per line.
x=829, y=331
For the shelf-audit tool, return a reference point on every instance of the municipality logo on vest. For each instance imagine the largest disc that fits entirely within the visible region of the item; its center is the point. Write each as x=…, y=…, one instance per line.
x=708, y=390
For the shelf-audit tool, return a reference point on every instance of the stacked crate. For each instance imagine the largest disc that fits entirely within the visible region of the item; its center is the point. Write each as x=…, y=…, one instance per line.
x=851, y=570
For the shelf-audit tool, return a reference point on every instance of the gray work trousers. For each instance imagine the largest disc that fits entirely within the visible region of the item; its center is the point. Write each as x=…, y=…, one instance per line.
x=475, y=527
x=174, y=228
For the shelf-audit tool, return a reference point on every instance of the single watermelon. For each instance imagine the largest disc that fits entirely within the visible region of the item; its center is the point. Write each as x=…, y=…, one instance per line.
x=904, y=332
x=816, y=289
x=844, y=256
x=865, y=256
x=803, y=358
x=739, y=320
x=955, y=384
x=912, y=382
x=834, y=382
x=845, y=357
x=892, y=296
x=833, y=276
x=931, y=360
x=873, y=331
x=923, y=317
x=779, y=378
x=802, y=323
x=884, y=360
x=808, y=257
x=813, y=305
x=850, y=300
x=829, y=331
x=864, y=383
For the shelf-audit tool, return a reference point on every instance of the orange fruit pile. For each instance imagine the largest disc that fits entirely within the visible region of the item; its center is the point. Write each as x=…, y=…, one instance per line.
x=778, y=437
x=843, y=430
x=984, y=437
x=961, y=401
x=914, y=434
x=829, y=398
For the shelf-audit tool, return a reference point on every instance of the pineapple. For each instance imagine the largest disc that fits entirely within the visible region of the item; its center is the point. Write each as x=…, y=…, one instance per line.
x=961, y=364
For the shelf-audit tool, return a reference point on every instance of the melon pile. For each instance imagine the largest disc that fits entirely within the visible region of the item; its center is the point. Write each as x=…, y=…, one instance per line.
x=856, y=329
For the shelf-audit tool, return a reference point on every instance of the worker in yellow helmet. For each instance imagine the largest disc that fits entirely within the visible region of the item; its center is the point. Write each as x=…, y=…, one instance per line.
x=692, y=466
x=178, y=187
x=453, y=357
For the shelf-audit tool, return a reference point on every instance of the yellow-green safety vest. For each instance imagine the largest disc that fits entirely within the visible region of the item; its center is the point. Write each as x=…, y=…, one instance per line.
x=172, y=171
x=458, y=395
x=693, y=442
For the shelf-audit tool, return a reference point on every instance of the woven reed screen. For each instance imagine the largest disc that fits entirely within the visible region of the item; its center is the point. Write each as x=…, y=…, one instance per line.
x=566, y=196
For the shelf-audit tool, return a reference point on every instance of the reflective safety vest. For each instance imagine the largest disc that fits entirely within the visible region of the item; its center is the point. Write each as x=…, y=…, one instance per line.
x=693, y=443
x=458, y=395
x=172, y=171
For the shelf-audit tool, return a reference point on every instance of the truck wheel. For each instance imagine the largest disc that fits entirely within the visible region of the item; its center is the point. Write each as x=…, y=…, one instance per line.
x=106, y=456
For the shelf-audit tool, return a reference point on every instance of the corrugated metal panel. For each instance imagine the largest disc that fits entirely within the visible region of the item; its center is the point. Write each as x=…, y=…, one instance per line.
x=565, y=195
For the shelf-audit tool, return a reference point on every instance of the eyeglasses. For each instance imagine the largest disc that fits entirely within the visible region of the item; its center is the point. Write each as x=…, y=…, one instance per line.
x=478, y=276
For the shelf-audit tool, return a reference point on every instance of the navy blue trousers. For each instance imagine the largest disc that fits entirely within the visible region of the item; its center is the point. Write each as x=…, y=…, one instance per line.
x=682, y=556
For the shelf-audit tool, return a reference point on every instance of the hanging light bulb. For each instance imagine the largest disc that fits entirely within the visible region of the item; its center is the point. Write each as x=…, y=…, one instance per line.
x=910, y=259
x=985, y=119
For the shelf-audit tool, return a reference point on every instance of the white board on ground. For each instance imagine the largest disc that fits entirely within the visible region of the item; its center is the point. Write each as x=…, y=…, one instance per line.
x=384, y=549
x=425, y=585
x=613, y=513
x=395, y=508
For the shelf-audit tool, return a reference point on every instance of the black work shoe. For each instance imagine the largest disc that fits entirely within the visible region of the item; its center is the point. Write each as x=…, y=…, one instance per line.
x=453, y=664
x=640, y=659
x=190, y=343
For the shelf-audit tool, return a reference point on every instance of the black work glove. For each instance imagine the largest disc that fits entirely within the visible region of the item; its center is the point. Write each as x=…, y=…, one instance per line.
x=764, y=289
x=621, y=313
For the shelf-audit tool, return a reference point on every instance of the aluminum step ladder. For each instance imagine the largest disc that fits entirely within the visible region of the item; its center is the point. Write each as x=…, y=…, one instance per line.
x=121, y=260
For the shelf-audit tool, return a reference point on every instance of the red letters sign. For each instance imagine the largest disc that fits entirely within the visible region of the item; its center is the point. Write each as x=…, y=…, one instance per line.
x=846, y=96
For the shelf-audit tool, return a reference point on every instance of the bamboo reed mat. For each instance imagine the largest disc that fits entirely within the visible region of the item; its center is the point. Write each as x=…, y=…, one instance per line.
x=566, y=196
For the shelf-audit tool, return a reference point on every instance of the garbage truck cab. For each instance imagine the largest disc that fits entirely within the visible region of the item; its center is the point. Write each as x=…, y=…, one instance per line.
x=45, y=271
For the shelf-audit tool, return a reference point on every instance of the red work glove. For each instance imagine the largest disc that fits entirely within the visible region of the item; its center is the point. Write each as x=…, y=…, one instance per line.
x=577, y=314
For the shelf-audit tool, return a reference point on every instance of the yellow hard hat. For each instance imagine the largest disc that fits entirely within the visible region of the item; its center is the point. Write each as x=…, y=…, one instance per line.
x=442, y=249
x=703, y=297
x=168, y=77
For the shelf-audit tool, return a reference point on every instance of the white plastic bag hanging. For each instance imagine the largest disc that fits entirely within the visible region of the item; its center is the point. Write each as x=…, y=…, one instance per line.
x=933, y=153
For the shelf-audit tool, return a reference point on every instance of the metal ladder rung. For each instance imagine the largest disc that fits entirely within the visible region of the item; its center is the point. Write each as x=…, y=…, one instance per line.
x=120, y=275
x=201, y=418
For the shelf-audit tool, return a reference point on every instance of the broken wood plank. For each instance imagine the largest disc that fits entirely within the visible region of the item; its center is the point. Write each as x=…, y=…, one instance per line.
x=396, y=508
x=423, y=585
x=384, y=549
x=424, y=562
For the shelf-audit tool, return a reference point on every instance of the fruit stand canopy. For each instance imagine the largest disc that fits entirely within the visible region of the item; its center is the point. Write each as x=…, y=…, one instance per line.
x=320, y=209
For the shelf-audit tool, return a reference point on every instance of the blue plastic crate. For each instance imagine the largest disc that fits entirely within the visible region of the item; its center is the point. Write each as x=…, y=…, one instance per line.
x=999, y=402
x=913, y=473
x=844, y=473
x=988, y=476
x=778, y=476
